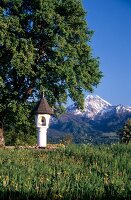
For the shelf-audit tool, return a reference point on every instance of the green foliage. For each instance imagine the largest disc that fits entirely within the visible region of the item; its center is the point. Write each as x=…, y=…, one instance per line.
x=125, y=134
x=44, y=45
x=74, y=172
x=20, y=125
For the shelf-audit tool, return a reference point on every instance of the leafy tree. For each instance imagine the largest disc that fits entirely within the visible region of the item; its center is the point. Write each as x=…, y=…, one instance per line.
x=43, y=46
x=125, y=134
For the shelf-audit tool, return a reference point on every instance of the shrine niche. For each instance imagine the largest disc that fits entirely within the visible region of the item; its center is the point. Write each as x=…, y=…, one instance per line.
x=42, y=113
x=43, y=121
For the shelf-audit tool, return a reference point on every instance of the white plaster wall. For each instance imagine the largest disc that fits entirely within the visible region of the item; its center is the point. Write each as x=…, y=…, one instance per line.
x=42, y=137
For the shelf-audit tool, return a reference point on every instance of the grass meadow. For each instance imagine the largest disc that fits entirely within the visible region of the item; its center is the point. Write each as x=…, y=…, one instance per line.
x=77, y=172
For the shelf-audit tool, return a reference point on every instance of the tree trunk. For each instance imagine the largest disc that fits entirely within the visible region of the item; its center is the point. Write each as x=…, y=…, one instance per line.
x=2, y=141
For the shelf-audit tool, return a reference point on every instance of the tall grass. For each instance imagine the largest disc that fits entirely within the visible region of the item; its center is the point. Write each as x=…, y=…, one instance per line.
x=73, y=172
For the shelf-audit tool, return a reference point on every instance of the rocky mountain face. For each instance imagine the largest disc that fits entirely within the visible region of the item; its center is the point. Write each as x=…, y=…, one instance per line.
x=97, y=123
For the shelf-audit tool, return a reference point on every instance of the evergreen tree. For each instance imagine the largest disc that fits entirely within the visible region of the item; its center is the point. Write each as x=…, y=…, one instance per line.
x=43, y=45
x=125, y=134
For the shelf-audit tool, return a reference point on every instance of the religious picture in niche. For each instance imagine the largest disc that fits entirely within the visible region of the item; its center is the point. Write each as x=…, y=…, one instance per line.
x=43, y=121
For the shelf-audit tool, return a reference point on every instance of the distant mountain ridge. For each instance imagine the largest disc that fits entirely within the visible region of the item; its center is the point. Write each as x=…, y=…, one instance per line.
x=97, y=119
x=95, y=106
x=92, y=106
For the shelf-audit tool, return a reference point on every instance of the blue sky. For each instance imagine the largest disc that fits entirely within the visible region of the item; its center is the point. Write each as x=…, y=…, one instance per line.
x=111, y=22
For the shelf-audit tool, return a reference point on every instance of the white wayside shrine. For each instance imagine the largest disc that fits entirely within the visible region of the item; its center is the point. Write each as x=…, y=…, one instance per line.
x=42, y=113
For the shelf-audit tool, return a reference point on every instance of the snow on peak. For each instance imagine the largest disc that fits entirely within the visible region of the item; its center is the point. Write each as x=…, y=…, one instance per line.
x=93, y=104
x=97, y=108
x=121, y=108
x=96, y=98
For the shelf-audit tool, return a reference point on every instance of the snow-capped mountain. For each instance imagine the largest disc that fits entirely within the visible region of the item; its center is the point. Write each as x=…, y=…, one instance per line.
x=96, y=107
x=123, y=109
x=98, y=117
x=92, y=106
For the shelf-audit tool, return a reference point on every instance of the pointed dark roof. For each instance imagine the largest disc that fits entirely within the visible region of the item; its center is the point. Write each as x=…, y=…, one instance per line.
x=43, y=107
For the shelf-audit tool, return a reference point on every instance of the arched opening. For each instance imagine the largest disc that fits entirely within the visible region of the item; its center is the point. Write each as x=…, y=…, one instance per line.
x=43, y=121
